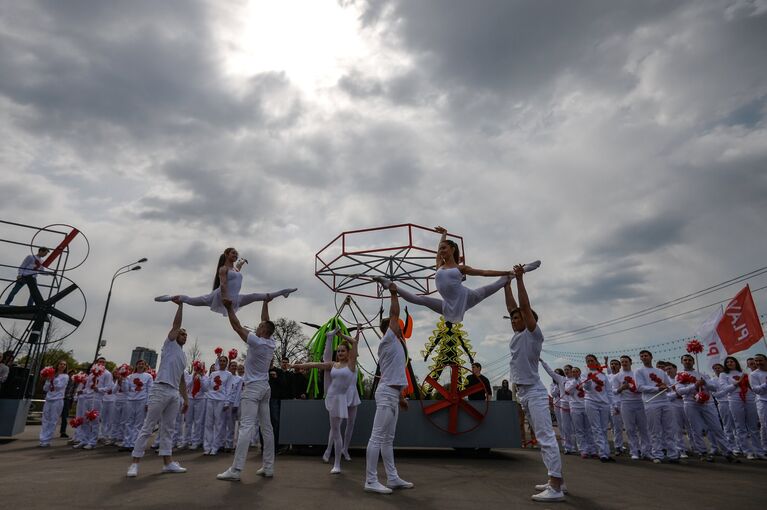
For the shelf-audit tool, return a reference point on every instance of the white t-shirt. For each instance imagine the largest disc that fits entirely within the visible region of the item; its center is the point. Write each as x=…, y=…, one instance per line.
x=758, y=379
x=32, y=265
x=138, y=386
x=649, y=387
x=626, y=395
x=598, y=393
x=59, y=385
x=218, y=386
x=525, y=348
x=172, y=363
x=391, y=361
x=260, y=353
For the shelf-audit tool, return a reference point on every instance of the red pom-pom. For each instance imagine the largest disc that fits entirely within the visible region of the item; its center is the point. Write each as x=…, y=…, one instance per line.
x=218, y=351
x=125, y=370
x=702, y=397
x=198, y=366
x=217, y=382
x=79, y=378
x=694, y=347
x=76, y=422
x=92, y=415
x=685, y=378
x=196, y=386
x=47, y=373
x=232, y=353
x=97, y=370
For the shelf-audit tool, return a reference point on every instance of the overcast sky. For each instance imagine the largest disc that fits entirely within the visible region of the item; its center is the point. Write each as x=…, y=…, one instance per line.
x=622, y=143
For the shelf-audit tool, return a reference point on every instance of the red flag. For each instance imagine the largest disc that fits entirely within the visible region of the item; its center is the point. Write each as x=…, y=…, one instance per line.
x=739, y=328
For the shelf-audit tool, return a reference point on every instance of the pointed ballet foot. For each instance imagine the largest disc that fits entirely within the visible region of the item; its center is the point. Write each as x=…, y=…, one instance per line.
x=163, y=299
x=326, y=457
x=532, y=266
x=336, y=470
x=287, y=292
x=346, y=455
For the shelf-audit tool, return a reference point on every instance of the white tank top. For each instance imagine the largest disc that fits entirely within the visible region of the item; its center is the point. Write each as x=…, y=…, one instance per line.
x=233, y=283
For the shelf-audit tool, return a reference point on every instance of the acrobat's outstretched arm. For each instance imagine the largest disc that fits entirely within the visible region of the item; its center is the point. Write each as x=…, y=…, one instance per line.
x=524, y=300
x=394, y=312
x=176, y=327
x=443, y=231
x=235, y=322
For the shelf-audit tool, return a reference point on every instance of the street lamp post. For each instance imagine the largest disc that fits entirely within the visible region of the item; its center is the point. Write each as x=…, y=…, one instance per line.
x=121, y=271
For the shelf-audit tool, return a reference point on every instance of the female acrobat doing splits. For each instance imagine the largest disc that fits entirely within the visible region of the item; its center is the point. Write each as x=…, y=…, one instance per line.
x=342, y=377
x=226, y=287
x=456, y=299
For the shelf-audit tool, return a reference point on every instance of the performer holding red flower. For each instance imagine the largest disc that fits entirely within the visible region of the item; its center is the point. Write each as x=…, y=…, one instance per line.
x=598, y=407
x=701, y=411
x=138, y=385
x=581, y=426
x=660, y=417
x=632, y=410
x=195, y=417
x=217, y=401
x=743, y=408
x=56, y=381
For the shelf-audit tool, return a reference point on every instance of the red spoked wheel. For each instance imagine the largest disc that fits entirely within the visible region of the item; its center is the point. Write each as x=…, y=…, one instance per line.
x=453, y=401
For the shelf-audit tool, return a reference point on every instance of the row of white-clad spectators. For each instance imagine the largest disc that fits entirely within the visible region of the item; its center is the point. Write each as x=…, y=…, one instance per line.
x=662, y=412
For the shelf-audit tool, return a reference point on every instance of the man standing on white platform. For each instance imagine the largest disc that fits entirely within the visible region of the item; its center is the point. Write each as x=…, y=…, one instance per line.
x=254, y=400
x=163, y=399
x=525, y=348
x=392, y=357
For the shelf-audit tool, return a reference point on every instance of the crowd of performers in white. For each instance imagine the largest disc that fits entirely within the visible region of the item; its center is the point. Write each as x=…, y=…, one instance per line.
x=228, y=405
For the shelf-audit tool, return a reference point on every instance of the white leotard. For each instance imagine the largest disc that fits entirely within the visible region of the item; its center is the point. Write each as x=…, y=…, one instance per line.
x=454, y=294
x=233, y=286
x=336, y=400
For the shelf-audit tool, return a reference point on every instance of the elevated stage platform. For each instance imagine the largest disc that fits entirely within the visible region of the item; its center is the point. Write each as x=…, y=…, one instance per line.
x=306, y=422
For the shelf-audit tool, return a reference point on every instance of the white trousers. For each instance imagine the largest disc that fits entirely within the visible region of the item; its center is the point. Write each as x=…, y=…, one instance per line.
x=635, y=421
x=254, y=412
x=178, y=425
x=381, y=440
x=746, y=426
x=118, y=420
x=51, y=414
x=567, y=431
x=535, y=402
x=728, y=425
x=616, y=419
x=80, y=411
x=214, y=425
x=662, y=425
x=703, y=417
x=107, y=417
x=599, y=420
x=761, y=411
x=681, y=426
x=135, y=415
x=195, y=422
x=163, y=407
x=582, y=430
x=91, y=436
x=230, y=424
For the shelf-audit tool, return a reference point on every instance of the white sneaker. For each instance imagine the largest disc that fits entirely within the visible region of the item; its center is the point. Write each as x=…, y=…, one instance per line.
x=544, y=486
x=326, y=457
x=173, y=467
x=132, y=471
x=162, y=299
x=683, y=455
x=399, y=483
x=635, y=457
x=78, y=445
x=45, y=445
x=88, y=447
x=266, y=473
x=751, y=456
x=230, y=474
x=377, y=487
x=335, y=471
x=549, y=495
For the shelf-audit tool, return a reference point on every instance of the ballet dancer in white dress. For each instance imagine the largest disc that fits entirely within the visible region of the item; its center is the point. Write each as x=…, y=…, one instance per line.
x=456, y=299
x=342, y=377
x=226, y=287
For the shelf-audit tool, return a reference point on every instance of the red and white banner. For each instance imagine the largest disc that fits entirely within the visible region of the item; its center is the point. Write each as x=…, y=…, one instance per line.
x=732, y=329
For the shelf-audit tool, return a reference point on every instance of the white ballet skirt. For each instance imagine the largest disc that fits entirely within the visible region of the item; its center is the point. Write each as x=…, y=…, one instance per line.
x=455, y=296
x=233, y=286
x=337, y=398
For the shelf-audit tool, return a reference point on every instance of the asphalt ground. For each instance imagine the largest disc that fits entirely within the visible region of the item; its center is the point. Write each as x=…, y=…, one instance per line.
x=62, y=477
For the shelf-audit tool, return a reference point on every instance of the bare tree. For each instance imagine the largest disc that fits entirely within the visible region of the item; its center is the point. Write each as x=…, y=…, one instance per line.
x=194, y=352
x=291, y=341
